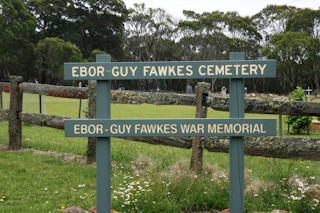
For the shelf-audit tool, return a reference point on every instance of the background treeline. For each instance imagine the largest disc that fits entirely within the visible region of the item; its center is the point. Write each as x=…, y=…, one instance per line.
x=38, y=36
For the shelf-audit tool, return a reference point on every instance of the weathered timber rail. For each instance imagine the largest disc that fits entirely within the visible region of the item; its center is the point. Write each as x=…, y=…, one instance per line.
x=276, y=147
x=161, y=98
x=292, y=148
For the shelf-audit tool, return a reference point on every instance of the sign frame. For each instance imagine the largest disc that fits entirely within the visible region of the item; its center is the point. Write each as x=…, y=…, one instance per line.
x=170, y=70
x=236, y=69
x=169, y=127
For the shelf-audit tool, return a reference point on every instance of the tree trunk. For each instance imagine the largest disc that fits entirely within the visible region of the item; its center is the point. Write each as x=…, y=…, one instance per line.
x=91, y=148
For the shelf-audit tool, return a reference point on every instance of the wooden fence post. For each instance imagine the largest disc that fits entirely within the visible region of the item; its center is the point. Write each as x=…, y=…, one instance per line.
x=202, y=91
x=15, y=125
x=91, y=149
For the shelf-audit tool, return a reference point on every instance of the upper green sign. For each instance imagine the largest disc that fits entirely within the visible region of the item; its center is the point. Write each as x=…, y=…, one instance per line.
x=170, y=70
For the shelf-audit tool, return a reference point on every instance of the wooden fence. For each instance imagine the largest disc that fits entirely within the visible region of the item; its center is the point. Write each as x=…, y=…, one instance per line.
x=278, y=147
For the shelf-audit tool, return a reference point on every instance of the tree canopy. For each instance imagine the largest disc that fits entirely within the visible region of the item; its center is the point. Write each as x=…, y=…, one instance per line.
x=37, y=36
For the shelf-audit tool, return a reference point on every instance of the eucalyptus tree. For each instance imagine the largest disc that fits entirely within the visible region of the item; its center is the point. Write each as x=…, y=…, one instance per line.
x=294, y=52
x=202, y=36
x=149, y=32
x=88, y=24
x=17, y=28
x=272, y=20
x=306, y=20
x=51, y=54
x=150, y=36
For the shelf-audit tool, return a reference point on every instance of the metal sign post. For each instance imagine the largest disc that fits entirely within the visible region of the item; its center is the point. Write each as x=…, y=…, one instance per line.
x=236, y=69
x=103, y=109
x=236, y=148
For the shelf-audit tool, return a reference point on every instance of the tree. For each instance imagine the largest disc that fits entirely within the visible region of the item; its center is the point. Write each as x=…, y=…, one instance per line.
x=272, y=20
x=88, y=24
x=51, y=54
x=51, y=17
x=305, y=20
x=16, y=32
x=292, y=50
x=94, y=53
x=150, y=36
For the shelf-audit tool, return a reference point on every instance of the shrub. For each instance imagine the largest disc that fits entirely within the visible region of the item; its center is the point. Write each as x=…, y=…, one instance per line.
x=298, y=124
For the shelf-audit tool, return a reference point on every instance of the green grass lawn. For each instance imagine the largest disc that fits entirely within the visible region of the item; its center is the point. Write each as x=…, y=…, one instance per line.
x=145, y=178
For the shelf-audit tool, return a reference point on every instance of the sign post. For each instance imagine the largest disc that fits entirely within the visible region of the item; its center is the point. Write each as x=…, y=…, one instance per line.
x=103, y=105
x=236, y=148
x=236, y=69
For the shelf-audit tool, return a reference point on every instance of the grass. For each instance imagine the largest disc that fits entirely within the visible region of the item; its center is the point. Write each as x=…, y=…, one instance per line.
x=145, y=178
x=37, y=183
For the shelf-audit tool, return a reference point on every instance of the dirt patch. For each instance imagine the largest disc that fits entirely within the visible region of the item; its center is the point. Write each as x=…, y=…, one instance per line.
x=66, y=157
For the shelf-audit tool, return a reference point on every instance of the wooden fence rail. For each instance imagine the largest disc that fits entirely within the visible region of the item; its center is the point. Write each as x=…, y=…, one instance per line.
x=292, y=148
x=162, y=98
x=276, y=147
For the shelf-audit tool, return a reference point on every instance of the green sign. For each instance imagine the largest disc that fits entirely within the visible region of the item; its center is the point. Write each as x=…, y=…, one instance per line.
x=169, y=127
x=170, y=70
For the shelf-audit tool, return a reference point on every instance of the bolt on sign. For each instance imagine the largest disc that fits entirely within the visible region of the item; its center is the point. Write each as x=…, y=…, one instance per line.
x=236, y=69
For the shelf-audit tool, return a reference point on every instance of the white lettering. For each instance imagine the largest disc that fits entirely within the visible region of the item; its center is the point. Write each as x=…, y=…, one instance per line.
x=219, y=71
x=163, y=70
x=212, y=128
x=153, y=71
x=145, y=70
x=262, y=68
x=200, y=70
x=244, y=70
x=235, y=130
x=115, y=71
x=210, y=70
x=227, y=70
x=179, y=70
x=133, y=70
x=256, y=129
x=237, y=68
x=253, y=69
x=172, y=71
x=92, y=71
x=83, y=71
x=75, y=71
x=76, y=129
x=189, y=70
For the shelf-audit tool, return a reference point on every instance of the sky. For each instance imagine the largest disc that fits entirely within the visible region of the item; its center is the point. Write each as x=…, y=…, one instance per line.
x=243, y=7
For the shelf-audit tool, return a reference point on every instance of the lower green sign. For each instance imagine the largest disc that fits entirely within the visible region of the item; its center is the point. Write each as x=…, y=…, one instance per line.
x=169, y=127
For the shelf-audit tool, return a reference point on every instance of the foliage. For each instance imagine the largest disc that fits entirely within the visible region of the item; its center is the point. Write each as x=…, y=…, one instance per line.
x=88, y=24
x=272, y=20
x=17, y=28
x=305, y=20
x=298, y=124
x=51, y=54
x=94, y=53
x=295, y=53
x=289, y=34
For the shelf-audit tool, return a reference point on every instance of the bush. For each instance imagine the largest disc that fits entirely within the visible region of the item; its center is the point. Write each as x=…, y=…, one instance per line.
x=298, y=124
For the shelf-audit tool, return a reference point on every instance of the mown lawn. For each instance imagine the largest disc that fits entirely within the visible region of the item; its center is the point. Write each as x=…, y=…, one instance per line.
x=145, y=178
